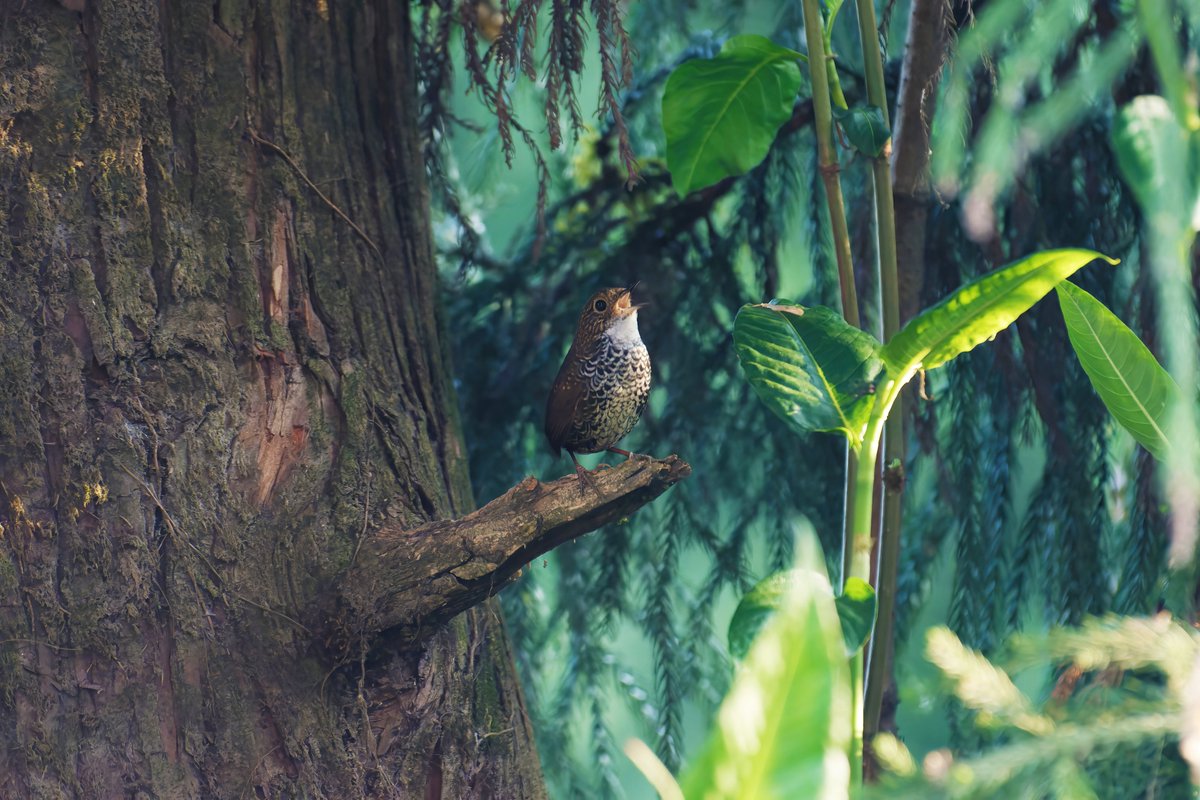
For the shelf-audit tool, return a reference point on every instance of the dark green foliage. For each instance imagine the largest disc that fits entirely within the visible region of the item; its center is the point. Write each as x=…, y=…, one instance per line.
x=1152, y=770
x=926, y=527
x=511, y=333
x=658, y=619
x=1144, y=547
x=584, y=624
x=979, y=461
x=1025, y=389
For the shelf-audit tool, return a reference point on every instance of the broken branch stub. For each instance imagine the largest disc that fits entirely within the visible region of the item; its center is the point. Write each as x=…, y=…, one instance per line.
x=413, y=581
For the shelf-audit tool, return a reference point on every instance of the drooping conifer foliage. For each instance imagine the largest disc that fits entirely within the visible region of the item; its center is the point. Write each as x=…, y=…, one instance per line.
x=1021, y=495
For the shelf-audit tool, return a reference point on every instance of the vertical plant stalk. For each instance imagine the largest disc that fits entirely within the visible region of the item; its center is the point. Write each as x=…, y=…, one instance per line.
x=827, y=158
x=861, y=544
x=852, y=566
x=924, y=53
x=828, y=165
x=832, y=7
x=893, y=459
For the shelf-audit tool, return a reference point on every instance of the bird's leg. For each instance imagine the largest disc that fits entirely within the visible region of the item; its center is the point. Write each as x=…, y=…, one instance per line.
x=626, y=453
x=585, y=477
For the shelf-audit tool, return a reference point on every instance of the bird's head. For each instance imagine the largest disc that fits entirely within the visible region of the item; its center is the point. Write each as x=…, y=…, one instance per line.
x=610, y=311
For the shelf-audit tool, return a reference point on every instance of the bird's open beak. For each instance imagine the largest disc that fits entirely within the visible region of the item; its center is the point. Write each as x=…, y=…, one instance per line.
x=627, y=297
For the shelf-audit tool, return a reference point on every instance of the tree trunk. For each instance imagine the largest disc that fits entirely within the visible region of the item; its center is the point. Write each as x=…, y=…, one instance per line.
x=220, y=368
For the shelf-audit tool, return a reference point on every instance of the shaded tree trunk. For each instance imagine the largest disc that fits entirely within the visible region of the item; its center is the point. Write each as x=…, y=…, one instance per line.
x=213, y=384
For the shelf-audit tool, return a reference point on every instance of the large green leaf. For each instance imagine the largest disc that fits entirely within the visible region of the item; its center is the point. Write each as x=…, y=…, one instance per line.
x=783, y=730
x=1133, y=385
x=809, y=366
x=855, y=608
x=980, y=310
x=864, y=127
x=758, y=605
x=720, y=115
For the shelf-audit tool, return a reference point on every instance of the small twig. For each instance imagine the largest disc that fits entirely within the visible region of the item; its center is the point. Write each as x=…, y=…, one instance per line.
x=361, y=701
x=259, y=763
x=254, y=136
x=40, y=642
x=480, y=739
x=268, y=610
x=372, y=743
x=362, y=534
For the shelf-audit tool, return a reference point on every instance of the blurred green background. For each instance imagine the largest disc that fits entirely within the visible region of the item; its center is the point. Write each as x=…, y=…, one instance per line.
x=1025, y=505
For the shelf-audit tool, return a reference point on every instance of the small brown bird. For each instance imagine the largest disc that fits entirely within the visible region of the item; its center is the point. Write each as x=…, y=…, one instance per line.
x=604, y=381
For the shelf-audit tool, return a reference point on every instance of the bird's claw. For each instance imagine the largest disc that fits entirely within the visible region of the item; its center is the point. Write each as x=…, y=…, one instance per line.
x=586, y=482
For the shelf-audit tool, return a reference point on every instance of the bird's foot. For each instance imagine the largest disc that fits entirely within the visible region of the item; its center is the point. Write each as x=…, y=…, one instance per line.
x=627, y=454
x=585, y=480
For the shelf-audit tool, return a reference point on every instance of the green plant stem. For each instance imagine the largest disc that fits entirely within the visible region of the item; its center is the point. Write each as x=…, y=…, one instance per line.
x=828, y=165
x=880, y=644
x=861, y=545
x=860, y=562
x=856, y=732
x=889, y=281
x=827, y=158
x=831, y=73
x=848, y=509
x=832, y=7
x=881, y=169
x=819, y=67
x=835, y=84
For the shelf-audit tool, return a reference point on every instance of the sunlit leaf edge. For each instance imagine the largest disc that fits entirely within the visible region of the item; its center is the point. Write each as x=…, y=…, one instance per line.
x=1131, y=383
x=978, y=310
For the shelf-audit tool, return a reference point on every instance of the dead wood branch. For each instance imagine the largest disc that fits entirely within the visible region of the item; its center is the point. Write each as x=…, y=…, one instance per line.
x=413, y=581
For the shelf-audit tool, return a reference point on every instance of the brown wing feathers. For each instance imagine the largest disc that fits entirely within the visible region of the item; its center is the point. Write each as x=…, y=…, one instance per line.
x=563, y=405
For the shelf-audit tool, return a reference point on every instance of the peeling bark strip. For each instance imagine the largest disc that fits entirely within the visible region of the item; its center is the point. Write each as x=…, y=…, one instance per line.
x=414, y=580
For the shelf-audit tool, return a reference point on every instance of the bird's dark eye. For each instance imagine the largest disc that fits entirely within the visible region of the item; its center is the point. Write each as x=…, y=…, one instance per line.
x=600, y=305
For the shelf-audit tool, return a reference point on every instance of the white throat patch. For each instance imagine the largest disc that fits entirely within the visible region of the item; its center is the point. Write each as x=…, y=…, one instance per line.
x=624, y=332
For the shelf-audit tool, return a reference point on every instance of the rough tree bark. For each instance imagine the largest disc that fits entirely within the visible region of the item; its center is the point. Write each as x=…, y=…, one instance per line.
x=220, y=373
